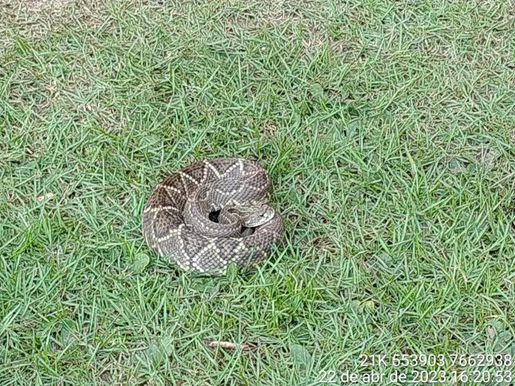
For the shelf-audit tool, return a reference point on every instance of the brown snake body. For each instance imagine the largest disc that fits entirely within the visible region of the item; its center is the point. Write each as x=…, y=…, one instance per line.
x=211, y=214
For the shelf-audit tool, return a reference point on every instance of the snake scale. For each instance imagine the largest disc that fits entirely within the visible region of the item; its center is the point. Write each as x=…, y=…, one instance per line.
x=211, y=214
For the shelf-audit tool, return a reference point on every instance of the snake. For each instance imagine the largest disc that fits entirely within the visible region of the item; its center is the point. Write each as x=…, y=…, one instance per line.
x=211, y=214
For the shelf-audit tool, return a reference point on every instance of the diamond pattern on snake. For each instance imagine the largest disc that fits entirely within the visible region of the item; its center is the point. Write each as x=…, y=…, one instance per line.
x=211, y=214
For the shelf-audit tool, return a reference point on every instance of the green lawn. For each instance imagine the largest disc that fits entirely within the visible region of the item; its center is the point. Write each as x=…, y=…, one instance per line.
x=388, y=128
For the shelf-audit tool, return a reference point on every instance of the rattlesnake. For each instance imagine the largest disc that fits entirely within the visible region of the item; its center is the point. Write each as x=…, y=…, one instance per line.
x=211, y=214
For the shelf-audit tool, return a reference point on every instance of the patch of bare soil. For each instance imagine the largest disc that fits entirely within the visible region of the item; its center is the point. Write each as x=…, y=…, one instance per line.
x=34, y=5
x=30, y=17
x=35, y=19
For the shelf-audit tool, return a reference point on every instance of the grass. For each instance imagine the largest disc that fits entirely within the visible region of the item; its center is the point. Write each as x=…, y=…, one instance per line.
x=387, y=127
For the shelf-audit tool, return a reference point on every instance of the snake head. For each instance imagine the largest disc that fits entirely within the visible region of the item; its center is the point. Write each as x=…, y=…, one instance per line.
x=255, y=214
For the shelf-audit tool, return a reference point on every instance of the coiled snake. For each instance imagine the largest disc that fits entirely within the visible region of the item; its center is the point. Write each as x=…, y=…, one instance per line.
x=211, y=214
